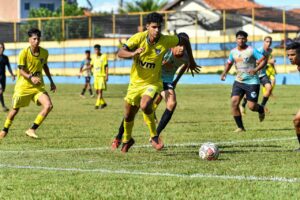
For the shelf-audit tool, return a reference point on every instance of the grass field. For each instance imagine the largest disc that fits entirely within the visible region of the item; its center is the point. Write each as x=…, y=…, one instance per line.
x=72, y=159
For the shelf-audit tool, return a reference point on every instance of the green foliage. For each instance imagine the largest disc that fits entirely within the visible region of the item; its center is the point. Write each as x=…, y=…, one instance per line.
x=143, y=6
x=88, y=169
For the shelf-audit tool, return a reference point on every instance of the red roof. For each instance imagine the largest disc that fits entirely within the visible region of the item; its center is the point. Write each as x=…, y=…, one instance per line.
x=231, y=4
x=278, y=27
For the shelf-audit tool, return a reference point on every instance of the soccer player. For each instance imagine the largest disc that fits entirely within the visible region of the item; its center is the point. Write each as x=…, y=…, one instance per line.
x=30, y=84
x=99, y=65
x=263, y=77
x=86, y=71
x=247, y=80
x=175, y=58
x=4, y=61
x=147, y=50
x=293, y=53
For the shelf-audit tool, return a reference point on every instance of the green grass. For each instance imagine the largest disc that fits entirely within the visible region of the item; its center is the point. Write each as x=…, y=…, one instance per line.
x=94, y=172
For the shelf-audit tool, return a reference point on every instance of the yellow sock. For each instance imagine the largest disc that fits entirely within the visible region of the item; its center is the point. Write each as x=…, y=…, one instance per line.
x=264, y=90
x=98, y=102
x=39, y=119
x=7, y=123
x=149, y=119
x=127, y=131
x=102, y=101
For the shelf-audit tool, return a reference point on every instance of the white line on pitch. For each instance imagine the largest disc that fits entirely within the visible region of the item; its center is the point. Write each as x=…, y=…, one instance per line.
x=145, y=146
x=192, y=176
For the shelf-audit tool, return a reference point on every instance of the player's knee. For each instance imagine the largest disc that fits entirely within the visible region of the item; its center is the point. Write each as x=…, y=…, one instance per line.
x=145, y=107
x=49, y=107
x=234, y=104
x=172, y=105
x=251, y=106
x=296, y=122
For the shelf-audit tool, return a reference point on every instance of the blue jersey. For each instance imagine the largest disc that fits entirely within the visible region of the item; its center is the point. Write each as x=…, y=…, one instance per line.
x=266, y=53
x=171, y=64
x=245, y=60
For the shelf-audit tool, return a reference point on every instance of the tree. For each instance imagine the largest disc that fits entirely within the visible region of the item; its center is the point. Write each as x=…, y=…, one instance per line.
x=143, y=6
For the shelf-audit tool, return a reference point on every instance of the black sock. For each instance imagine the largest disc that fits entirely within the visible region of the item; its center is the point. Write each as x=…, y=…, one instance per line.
x=34, y=126
x=5, y=129
x=155, y=138
x=121, y=130
x=239, y=122
x=91, y=91
x=83, y=91
x=244, y=102
x=298, y=136
x=2, y=100
x=260, y=109
x=164, y=121
x=264, y=101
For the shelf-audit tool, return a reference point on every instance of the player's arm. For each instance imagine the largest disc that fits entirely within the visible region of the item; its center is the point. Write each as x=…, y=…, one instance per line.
x=183, y=68
x=228, y=66
x=47, y=72
x=262, y=61
x=23, y=72
x=106, y=72
x=10, y=70
x=124, y=52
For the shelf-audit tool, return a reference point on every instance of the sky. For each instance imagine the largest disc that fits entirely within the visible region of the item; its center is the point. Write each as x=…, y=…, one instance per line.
x=109, y=5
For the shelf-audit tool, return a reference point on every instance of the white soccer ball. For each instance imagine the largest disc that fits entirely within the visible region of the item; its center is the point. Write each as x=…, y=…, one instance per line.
x=209, y=151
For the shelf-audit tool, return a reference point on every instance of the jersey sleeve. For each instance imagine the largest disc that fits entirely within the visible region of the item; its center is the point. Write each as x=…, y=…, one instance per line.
x=230, y=59
x=257, y=55
x=22, y=58
x=105, y=62
x=132, y=43
x=171, y=41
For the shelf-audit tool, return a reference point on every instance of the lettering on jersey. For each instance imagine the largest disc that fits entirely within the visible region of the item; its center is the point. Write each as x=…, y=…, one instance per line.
x=147, y=65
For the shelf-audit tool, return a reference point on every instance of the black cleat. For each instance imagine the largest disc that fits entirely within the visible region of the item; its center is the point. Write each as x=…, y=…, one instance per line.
x=126, y=146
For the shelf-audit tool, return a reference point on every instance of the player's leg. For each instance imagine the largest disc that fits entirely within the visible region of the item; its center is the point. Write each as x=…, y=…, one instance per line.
x=84, y=88
x=236, y=96
x=2, y=89
x=243, y=106
x=129, y=115
x=102, y=101
x=252, y=92
x=170, y=97
x=267, y=90
x=89, y=87
x=45, y=101
x=297, y=127
x=8, y=122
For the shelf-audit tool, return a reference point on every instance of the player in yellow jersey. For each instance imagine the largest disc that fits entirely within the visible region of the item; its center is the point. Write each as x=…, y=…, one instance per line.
x=99, y=65
x=30, y=84
x=147, y=50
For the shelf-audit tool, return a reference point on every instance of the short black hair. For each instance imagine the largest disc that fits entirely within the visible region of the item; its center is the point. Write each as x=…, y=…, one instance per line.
x=97, y=46
x=242, y=33
x=268, y=37
x=2, y=44
x=294, y=45
x=155, y=18
x=34, y=31
x=87, y=51
x=182, y=34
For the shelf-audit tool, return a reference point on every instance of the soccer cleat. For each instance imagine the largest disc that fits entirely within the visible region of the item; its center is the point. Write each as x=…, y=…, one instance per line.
x=243, y=110
x=115, y=144
x=3, y=134
x=157, y=145
x=126, y=146
x=92, y=96
x=261, y=116
x=239, y=130
x=5, y=109
x=103, y=106
x=96, y=107
x=82, y=96
x=31, y=133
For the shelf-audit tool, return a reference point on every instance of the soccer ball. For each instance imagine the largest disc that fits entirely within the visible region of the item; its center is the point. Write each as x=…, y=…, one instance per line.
x=209, y=151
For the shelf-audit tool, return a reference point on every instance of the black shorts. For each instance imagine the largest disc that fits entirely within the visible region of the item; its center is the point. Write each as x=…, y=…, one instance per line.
x=87, y=79
x=264, y=80
x=168, y=86
x=240, y=89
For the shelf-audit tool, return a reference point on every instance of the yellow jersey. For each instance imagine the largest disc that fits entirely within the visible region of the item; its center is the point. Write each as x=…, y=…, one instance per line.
x=33, y=65
x=99, y=64
x=146, y=67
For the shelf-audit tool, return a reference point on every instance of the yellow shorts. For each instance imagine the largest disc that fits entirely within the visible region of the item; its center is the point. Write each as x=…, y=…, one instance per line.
x=99, y=83
x=23, y=101
x=271, y=72
x=134, y=93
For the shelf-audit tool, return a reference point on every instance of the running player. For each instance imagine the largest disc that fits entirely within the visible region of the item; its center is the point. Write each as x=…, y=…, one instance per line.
x=4, y=61
x=175, y=58
x=147, y=50
x=99, y=65
x=247, y=80
x=86, y=71
x=263, y=77
x=293, y=53
x=30, y=84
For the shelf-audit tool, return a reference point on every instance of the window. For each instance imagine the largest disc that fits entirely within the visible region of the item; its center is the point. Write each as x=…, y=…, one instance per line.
x=27, y=6
x=49, y=6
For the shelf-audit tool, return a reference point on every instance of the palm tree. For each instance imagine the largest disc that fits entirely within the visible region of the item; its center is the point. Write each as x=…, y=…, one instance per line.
x=143, y=6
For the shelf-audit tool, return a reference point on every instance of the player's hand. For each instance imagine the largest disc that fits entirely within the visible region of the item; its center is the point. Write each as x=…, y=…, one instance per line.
x=138, y=51
x=106, y=78
x=52, y=87
x=13, y=77
x=35, y=80
x=223, y=76
x=194, y=68
x=252, y=71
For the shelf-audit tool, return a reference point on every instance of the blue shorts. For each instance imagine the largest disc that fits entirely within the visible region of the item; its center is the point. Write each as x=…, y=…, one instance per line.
x=264, y=80
x=241, y=89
